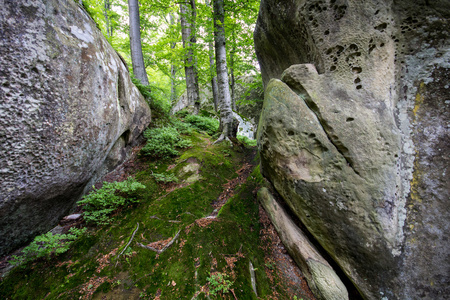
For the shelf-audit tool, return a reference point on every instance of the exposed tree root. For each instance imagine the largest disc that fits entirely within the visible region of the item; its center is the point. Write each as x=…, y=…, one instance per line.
x=159, y=251
x=129, y=242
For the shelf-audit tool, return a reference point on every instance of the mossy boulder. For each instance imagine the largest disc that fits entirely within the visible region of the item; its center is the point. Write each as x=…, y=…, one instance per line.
x=69, y=113
x=353, y=135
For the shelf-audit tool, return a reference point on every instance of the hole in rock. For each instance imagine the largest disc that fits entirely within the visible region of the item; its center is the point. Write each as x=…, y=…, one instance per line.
x=353, y=47
x=357, y=70
x=381, y=27
x=126, y=136
x=350, y=119
x=333, y=68
x=357, y=80
x=327, y=32
x=358, y=87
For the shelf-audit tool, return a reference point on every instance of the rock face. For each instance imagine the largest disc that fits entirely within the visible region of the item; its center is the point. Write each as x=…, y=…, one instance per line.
x=354, y=135
x=68, y=113
x=321, y=277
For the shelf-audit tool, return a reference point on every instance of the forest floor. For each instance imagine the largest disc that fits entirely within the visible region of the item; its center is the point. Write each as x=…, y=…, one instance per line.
x=182, y=237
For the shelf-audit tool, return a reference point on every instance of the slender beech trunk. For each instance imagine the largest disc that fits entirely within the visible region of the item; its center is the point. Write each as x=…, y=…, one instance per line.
x=188, y=12
x=228, y=123
x=215, y=90
x=137, y=59
x=233, y=81
x=212, y=71
x=173, y=69
x=107, y=8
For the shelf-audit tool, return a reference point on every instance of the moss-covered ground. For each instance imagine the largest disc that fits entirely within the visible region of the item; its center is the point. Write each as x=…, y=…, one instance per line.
x=96, y=268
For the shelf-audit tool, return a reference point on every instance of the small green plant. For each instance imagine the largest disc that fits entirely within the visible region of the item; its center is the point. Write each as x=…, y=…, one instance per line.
x=246, y=141
x=218, y=283
x=182, y=113
x=144, y=89
x=98, y=204
x=46, y=245
x=182, y=127
x=270, y=265
x=295, y=298
x=210, y=125
x=165, y=177
x=161, y=142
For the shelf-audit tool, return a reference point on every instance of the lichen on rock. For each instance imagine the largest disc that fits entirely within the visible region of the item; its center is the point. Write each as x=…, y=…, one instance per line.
x=354, y=113
x=69, y=113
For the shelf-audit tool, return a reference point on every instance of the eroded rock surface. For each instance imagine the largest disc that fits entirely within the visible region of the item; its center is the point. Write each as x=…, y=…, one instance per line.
x=321, y=277
x=354, y=134
x=68, y=113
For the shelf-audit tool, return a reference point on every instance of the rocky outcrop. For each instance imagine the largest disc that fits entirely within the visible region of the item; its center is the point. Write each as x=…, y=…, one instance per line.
x=68, y=113
x=321, y=277
x=354, y=135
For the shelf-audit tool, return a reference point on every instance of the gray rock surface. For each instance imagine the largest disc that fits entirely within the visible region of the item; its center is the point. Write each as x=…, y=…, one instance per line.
x=322, y=279
x=68, y=113
x=354, y=135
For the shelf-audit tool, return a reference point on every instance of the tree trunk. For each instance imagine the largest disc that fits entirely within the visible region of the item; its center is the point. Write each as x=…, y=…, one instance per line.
x=227, y=120
x=173, y=69
x=188, y=12
x=233, y=81
x=212, y=71
x=107, y=8
x=214, y=87
x=137, y=59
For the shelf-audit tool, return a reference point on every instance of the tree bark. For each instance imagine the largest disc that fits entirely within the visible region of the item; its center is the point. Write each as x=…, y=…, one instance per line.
x=137, y=58
x=173, y=69
x=233, y=81
x=188, y=12
x=212, y=71
x=215, y=91
x=227, y=120
x=107, y=8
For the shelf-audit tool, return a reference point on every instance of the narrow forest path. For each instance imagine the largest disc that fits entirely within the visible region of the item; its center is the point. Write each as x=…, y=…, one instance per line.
x=191, y=239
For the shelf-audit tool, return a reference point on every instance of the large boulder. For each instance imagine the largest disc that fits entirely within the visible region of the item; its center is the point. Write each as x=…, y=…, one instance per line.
x=68, y=113
x=354, y=135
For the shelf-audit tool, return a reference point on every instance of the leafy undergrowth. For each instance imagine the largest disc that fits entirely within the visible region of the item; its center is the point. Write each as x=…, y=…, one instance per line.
x=212, y=212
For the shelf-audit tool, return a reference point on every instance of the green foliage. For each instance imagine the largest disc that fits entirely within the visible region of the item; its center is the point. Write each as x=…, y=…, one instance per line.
x=182, y=127
x=144, y=89
x=210, y=125
x=165, y=177
x=219, y=283
x=46, y=245
x=100, y=203
x=162, y=142
x=246, y=141
x=182, y=113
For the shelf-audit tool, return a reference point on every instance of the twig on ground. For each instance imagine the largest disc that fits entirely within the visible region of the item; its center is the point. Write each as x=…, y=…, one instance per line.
x=165, y=247
x=129, y=242
x=232, y=290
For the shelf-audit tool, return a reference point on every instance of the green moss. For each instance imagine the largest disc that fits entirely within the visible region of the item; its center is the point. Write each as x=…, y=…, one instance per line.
x=162, y=211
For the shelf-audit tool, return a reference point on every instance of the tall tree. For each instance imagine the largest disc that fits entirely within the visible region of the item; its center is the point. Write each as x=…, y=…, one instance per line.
x=137, y=58
x=214, y=87
x=212, y=71
x=173, y=68
x=188, y=15
x=106, y=10
x=228, y=124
